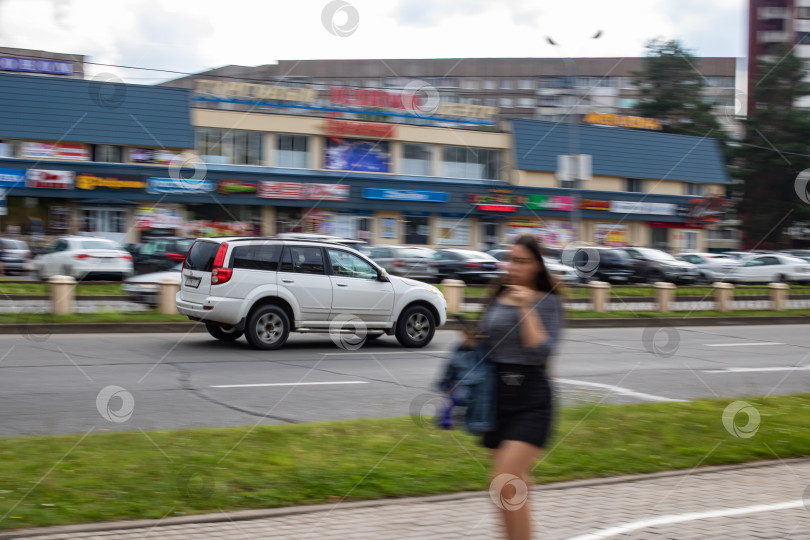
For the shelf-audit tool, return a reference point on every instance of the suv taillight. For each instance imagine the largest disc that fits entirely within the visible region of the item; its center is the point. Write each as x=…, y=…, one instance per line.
x=220, y=274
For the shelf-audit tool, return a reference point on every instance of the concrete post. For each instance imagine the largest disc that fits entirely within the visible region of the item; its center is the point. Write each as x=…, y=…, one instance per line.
x=779, y=294
x=600, y=294
x=723, y=295
x=169, y=287
x=663, y=295
x=454, y=294
x=63, y=294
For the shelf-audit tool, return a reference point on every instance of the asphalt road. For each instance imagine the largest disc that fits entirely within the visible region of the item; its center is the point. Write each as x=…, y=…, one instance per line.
x=75, y=383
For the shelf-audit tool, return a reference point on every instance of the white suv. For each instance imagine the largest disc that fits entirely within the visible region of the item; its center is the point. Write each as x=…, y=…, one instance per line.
x=266, y=287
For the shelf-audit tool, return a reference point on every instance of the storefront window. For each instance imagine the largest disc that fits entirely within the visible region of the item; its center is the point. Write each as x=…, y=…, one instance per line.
x=473, y=163
x=417, y=230
x=229, y=146
x=291, y=151
x=107, y=153
x=694, y=189
x=218, y=220
x=453, y=232
x=107, y=223
x=660, y=238
x=416, y=159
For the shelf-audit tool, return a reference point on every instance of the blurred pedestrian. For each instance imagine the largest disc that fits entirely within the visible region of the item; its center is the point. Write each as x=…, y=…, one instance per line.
x=522, y=325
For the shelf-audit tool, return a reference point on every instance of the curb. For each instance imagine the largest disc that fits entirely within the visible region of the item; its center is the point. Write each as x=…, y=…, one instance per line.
x=185, y=327
x=245, y=515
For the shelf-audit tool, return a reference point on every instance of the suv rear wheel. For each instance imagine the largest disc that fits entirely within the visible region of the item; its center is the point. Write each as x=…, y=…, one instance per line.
x=415, y=327
x=267, y=328
x=223, y=333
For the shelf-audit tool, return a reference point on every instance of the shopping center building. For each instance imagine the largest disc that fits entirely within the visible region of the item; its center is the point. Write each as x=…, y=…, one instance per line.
x=124, y=161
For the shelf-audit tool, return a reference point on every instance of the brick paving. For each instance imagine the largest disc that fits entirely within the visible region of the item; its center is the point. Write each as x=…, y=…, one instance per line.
x=579, y=510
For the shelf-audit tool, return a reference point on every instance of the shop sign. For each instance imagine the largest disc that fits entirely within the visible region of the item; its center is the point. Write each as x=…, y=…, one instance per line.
x=115, y=183
x=298, y=191
x=405, y=195
x=255, y=92
x=674, y=225
x=147, y=217
x=357, y=155
x=41, y=150
x=10, y=178
x=608, y=234
x=343, y=128
x=149, y=155
x=562, y=203
x=590, y=204
x=157, y=186
x=498, y=197
x=708, y=210
x=413, y=103
x=41, y=178
x=229, y=187
x=550, y=233
x=641, y=207
x=622, y=121
x=36, y=65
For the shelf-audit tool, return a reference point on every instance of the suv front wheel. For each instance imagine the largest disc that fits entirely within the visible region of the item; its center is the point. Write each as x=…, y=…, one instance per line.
x=267, y=328
x=415, y=327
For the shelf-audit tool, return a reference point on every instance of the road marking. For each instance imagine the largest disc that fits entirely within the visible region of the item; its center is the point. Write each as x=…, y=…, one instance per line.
x=756, y=369
x=617, y=390
x=692, y=516
x=285, y=384
x=753, y=343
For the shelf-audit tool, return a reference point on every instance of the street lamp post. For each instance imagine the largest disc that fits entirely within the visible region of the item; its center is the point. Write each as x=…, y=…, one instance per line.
x=573, y=136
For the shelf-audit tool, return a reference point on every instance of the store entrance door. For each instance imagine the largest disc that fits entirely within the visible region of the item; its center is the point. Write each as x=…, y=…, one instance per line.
x=489, y=236
x=109, y=223
x=660, y=238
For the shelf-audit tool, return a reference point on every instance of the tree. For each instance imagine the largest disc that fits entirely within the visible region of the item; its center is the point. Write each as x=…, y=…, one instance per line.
x=671, y=89
x=773, y=152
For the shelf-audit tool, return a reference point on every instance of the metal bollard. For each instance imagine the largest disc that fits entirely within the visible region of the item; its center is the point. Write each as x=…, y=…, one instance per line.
x=723, y=295
x=63, y=294
x=169, y=287
x=600, y=293
x=454, y=294
x=663, y=295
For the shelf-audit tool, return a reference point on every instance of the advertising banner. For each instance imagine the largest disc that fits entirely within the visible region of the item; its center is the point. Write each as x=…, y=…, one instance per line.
x=384, y=194
x=608, y=234
x=357, y=155
x=170, y=185
x=119, y=182
x=41, y=150
x=298, y=191
x=41, y=178
x=10, y=178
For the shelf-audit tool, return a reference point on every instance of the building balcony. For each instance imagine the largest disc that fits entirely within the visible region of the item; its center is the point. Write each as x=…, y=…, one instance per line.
x=769, y=13
x=769, y=36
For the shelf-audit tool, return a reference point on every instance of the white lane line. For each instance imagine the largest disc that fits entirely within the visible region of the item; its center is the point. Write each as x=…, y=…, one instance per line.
x=680, y=518
x=756, y=369
x=617, y=390
x=750, y=344
x=285, y=384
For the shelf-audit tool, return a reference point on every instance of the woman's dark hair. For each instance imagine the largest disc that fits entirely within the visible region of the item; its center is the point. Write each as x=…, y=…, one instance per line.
x=544, y=281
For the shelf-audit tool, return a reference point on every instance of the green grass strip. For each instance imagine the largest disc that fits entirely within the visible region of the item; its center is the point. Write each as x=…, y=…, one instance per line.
x=44, y=288
x=50, y=480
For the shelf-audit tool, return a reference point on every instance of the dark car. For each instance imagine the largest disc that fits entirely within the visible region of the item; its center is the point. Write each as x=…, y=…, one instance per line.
x=414, y=262
x=467, y=265
x=160, y=253
x=594, y=263
x=653, y=265
x=15, y=256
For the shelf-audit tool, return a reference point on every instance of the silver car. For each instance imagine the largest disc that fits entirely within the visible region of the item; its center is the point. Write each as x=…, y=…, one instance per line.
x=15, y=256
x=711, y=266
x=407, y=261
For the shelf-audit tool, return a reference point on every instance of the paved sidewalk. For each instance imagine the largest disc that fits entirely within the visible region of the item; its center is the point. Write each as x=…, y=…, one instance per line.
x=764, y=501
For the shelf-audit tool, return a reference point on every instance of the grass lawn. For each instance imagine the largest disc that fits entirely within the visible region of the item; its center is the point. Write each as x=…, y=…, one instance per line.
x=44, y=288
x=49, y=480
x=105, y=316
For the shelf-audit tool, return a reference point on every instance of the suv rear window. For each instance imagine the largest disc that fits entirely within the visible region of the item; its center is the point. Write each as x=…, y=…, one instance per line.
x=256, y=257
x=201, y=256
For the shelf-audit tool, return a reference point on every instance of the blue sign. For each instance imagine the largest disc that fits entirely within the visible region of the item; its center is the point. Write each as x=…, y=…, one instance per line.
x=10, y=178
x=157, y=186
x=36, y=65
x=405, y=195
x=357, y=155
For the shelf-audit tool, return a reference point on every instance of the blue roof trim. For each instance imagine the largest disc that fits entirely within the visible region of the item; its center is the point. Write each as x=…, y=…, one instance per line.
x=623, y=152
x=94, y=112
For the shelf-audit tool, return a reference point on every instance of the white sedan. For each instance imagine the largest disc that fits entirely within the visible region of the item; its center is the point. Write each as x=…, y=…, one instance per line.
x=82, y=257
x=769, y=268
x=711, y=266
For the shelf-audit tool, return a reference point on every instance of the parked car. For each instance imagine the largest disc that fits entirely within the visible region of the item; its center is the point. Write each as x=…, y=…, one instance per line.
x=466, y=265
x=15, y=256
x=739, y=255
x=653, y=265
x=803, y=254
x=144, y=288
x=771, y=267
x=599, y=263
x=82, y=257
x=415, y=262
x=266, y=288
x=711, y=266
x=160, y=253
x=562, y=272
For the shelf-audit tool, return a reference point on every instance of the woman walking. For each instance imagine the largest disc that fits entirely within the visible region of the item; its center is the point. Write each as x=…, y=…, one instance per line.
x=522, y=324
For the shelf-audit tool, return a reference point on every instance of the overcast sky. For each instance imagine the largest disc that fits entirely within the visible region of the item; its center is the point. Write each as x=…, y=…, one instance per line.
x=191, y=36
